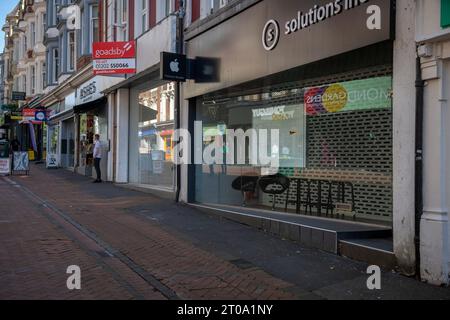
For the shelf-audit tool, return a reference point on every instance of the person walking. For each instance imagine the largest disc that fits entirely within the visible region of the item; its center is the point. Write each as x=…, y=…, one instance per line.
x=97, y=155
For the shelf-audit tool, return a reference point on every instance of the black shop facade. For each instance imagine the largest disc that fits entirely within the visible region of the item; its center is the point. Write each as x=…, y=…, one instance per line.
x=318, y=72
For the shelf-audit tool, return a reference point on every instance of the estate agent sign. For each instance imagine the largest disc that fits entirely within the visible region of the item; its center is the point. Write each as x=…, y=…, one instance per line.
x=114, y=57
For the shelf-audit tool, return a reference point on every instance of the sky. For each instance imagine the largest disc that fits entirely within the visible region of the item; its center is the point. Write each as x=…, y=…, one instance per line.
x=5, y=7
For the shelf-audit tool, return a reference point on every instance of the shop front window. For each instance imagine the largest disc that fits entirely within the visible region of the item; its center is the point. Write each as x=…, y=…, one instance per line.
x=153, y=129
x=92, y=123
x=333, y=151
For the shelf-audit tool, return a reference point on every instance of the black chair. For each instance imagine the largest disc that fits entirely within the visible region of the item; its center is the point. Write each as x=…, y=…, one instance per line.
x=245, y=184
x=275, y=185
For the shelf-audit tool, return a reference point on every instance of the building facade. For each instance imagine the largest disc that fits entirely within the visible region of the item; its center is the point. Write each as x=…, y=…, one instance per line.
x=24, y=68
x=433, y=39
x=355, y=93
x=356, y=154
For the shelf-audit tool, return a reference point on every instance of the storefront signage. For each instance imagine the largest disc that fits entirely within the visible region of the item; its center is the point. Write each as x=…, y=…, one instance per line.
x=18, y=96
x=173, y=67
x=273, y=113
x=445, y=13
x=92, y=90
x=5, y=166
x=305, y=19
x=114, y=57
x=374, y=93
x=269, y=37
x=16, y=115
x=34, y=115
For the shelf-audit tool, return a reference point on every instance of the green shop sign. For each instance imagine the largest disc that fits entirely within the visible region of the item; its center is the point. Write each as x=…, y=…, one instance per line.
x=373, y=93
x=445, y=13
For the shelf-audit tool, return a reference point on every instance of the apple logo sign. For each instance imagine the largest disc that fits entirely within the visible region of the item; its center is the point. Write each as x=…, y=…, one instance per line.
x=175, y=66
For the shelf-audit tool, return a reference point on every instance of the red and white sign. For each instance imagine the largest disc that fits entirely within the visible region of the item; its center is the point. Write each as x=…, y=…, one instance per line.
x=114, y=57
x=5, y=166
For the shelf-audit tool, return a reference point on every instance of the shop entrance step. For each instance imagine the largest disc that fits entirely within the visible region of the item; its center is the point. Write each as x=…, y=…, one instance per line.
x=375, y=251
x=315, y=232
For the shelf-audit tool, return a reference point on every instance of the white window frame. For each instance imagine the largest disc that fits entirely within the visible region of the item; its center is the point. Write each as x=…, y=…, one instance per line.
x=54, y=11
x=32, y=79
x=124, y=12
x=43, y=26
x=71, y=51
x=144, y=16
x=24, y=83
x=44, y=75
x=163, y=9
x=93, y=19
x=24, y=47
x=32, y=34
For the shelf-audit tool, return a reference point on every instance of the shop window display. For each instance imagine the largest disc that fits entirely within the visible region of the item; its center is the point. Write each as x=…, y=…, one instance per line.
x=155, y=136
x=334, y=149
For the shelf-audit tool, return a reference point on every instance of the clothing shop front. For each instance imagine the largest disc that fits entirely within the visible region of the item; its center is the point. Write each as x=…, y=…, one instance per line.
x=309, y=84
x=92, y=117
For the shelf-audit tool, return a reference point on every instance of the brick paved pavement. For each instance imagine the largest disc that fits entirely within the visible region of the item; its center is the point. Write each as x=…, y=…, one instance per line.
x=131, y=245
x=39, y=243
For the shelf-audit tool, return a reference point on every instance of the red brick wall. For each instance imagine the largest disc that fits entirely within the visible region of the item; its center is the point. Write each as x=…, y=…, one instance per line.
x=131, y=19
x=195, y=10
x=152, y=13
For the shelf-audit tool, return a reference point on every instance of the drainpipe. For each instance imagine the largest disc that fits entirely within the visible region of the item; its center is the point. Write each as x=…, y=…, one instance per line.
x=420, y=84
x=179, y=49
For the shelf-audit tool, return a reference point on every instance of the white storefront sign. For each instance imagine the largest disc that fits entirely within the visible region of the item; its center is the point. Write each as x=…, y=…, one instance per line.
x=92, y=89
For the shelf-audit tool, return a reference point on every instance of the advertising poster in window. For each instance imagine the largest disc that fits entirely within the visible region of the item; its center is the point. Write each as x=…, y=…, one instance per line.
x=290, y=121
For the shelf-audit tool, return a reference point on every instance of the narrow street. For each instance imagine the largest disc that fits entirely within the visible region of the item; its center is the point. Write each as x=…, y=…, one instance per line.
x=131, y=245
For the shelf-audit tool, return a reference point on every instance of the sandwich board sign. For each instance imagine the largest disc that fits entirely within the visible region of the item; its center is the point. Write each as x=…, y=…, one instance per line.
x=21, y=163
x=5, y=166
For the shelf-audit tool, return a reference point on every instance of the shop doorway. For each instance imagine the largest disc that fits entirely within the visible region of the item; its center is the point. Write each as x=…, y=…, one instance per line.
x=68, y=143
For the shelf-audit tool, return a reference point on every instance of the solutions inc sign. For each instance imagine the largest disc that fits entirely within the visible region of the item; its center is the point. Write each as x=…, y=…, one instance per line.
x=274, y=36
x=315, y=15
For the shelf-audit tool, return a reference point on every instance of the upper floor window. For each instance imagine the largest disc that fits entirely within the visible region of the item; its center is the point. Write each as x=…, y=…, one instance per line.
x=24, y=83
x=122, y=19
x=54, y=11
x=208, y=7
x=33, y=79
x=94, y=26
x=24, y=46
x=44, y=22
x=144, y=16
x=163, y=9
x=16, y=50
x=44, y=75
x=32, y=34
x=71, y=49
x=55, y=58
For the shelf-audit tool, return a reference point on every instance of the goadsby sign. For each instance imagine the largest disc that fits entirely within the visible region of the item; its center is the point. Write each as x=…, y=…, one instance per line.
x=114, y=57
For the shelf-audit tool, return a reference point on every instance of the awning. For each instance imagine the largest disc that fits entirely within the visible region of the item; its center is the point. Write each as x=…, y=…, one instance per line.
x=60, y=117
x=85, y=107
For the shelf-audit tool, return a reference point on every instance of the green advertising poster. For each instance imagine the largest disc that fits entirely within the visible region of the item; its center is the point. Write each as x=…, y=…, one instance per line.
x=373, y=93
x=445, y=13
